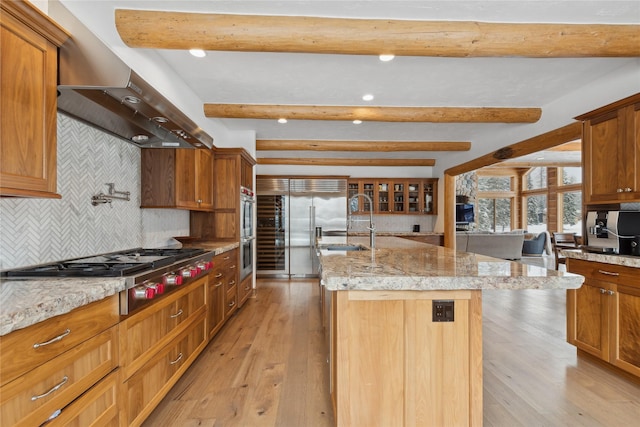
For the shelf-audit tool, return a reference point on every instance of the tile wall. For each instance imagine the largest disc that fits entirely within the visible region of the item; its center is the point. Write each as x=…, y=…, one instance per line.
x=35, y=231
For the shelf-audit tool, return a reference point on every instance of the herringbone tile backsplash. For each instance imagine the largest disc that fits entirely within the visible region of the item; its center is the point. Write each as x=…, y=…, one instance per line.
x=36, y=231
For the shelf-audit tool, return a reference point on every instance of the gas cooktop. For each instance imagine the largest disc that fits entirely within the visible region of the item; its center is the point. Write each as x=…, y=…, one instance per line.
x=115, y=264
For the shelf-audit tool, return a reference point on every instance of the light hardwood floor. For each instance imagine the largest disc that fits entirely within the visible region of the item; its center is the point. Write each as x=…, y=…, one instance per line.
x=267, y=368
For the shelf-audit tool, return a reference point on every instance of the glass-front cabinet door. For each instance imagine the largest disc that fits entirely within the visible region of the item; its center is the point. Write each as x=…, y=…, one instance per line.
x=399, y=196
x=413, y=196
x=368, y=188
x=429, y=196
x=384, y=196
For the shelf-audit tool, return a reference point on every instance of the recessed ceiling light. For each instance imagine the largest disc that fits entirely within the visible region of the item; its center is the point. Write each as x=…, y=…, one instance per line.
x=198, y=53
x=283, y=120
x=386, y=57
x=367, y=97
x=357, y=122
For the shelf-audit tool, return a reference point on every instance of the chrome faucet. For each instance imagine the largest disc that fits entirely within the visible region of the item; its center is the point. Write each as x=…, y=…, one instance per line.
x=371, y=228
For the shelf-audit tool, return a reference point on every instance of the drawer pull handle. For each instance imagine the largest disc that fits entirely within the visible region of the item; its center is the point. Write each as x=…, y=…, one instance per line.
x=232, y=303
x=232, y=266
x=608, y=273
x=219, y=275
x=52, y=340
x=178, y=314
x=610, y=292
x=603, y=291
x=55, y=388
x=177, y=360
x=232, y=282
x=227, y=258
x=218, y=284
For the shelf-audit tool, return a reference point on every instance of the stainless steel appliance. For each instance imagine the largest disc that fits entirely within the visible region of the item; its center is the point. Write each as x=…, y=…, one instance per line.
x=97, y=87
x=289, y=212
x=149, y=274
x=247, y=238
x=615, y=232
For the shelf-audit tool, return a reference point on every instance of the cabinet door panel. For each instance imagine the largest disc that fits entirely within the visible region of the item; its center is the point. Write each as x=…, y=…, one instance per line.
x=627, y=340
x=591, y=320
x=28, y=70
x=204, y=180
x=186, y=178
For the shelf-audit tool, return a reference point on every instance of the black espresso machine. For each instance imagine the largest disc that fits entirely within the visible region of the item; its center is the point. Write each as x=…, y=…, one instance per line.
x=616, y=232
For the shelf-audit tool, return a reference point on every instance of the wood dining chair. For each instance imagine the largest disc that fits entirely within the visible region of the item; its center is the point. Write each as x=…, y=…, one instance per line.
x=561, y=241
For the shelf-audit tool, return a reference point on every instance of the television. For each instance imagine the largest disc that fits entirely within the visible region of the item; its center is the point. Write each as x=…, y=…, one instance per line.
x=464, y=213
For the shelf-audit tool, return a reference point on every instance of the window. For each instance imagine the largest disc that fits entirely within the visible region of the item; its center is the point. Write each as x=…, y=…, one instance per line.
x=494, y=183
x=494, y=214
x=536, y=178
x=536, y=213
x=571, y=175
x=572, y=212
x=495, y=203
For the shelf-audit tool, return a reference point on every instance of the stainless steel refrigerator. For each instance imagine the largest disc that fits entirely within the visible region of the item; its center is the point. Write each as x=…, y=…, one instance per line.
x=311, y=203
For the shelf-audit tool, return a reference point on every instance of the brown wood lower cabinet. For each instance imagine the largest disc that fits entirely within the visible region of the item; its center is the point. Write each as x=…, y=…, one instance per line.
x=46, y=367
x=97, y=407
x=245, y=289
x=603, y=316
x=158, y=345
x=392, y=365
x=222, y=283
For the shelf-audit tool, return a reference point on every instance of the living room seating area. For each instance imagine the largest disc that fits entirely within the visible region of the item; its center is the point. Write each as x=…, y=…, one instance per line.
x=511, y=245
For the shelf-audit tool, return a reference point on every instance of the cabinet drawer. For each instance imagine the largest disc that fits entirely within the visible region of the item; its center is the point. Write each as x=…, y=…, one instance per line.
x=226, y=260
x=25, y=349
x=150, y=384
x=231, y=301
x=617, y=274
x=153, y=326
x=97, y=407
x=35, y=396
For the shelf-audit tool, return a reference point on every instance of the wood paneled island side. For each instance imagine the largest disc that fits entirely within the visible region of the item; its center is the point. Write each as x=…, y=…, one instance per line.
x=405, y=329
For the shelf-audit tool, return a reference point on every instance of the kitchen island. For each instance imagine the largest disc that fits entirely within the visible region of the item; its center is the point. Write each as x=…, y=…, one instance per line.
x=405, y=329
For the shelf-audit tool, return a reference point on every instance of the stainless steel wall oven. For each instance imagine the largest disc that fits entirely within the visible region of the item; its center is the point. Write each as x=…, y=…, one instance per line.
x=247, y=239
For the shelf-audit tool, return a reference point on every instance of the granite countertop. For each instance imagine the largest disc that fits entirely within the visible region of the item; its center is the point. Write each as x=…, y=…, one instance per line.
x=25, y=302
x=396, y=233
x=401, y=264
x=624, y=260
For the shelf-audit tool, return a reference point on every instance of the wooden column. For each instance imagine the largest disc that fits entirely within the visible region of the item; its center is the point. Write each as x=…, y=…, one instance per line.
x=449, y=211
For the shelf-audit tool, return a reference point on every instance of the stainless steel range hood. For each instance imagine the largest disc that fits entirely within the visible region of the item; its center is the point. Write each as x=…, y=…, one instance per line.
x=98, y=88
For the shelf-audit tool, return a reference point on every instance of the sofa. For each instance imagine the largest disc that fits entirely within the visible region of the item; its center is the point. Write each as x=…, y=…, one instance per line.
x=497, y=245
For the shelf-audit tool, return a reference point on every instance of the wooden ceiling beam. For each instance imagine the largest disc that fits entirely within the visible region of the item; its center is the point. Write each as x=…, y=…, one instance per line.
x=375, y=114
x=569, y=146
x=259, y=33
x=345, y=162
x=342, y=145
x=536, y=164
x=528, y=146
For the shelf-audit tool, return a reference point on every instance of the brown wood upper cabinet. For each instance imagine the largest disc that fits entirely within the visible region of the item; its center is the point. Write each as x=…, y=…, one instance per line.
x=611, y=152
x=177, y=178
x=28, y=75
x=395, y=195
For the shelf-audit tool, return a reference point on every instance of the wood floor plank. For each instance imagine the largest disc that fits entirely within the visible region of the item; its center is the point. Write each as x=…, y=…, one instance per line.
x=267, y=368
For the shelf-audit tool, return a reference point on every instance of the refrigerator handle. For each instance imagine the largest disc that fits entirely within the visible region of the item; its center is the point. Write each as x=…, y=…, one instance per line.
x=312, y=226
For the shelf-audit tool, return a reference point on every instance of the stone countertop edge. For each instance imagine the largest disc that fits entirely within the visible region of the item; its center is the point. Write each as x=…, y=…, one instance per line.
x=398, y=264
x=623, y=260
x=27, y=301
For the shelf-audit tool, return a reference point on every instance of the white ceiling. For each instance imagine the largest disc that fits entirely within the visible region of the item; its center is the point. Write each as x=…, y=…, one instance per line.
x=563, y=88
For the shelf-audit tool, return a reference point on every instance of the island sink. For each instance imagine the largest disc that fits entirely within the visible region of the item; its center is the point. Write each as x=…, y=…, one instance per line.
x=345, y=248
